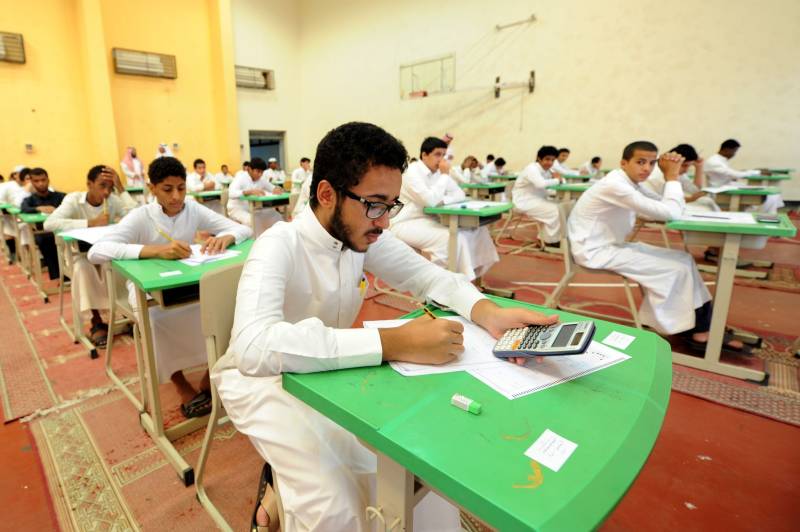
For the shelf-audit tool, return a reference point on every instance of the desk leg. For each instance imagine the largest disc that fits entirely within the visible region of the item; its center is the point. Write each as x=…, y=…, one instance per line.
x=567, y=196
x=153, y=420
x=452, y=245
x=734, y=204
x=253, y=217
x=395, y=494
x=722, y=300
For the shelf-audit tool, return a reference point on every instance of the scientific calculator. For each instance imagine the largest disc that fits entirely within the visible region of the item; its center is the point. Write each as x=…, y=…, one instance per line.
x=545, y=340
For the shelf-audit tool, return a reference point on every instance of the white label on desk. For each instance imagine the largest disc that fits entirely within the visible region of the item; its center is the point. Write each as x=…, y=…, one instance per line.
x=619, y=340
x=170, y=274
x=551, y=450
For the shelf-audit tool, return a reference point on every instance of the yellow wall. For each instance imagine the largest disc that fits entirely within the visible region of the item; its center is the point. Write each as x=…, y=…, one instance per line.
x=607, y=73
x=42, y=102
x=69, y=103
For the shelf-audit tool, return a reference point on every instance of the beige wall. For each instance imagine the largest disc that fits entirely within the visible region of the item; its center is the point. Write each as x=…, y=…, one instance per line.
x=607, y=73
x=267, y=35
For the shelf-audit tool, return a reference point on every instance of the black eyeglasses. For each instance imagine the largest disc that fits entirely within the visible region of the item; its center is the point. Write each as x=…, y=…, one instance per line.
x=375, y=209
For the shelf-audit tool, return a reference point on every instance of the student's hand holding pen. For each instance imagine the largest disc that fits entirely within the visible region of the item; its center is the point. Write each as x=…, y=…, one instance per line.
x=424, y=340
x=217, y=244
x=175, y=250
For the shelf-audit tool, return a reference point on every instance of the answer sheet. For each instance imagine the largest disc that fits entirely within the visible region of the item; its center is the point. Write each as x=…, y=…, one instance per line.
x=198, y=258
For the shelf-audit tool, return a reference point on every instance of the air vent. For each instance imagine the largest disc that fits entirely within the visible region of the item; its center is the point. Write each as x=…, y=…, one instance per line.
x=144, y=64
x=12, y=49
x=255, y=78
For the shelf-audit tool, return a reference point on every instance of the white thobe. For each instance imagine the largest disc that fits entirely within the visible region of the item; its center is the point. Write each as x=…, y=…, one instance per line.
x=8, y=193
x=467, y=175
x=134, y=177
x=274, y=176
x=720, y=173
x=655, y=183
x=562, y=169
x=299, y=176
x=174, y=349
x=88, y=285
x=422, y=188
x=239, y=210
x=587, y=169
x=530, y=198
x=196, y=183
x=302, y=198
x=489, y=170
x=598, y=225
x=298, y=294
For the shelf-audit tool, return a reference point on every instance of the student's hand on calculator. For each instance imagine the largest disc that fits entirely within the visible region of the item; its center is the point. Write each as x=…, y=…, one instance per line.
x=498, y=320
x=215, y=245
x=423, y=341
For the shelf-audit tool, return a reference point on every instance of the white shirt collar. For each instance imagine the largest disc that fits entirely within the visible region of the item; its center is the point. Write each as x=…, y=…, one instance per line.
x=308, y=225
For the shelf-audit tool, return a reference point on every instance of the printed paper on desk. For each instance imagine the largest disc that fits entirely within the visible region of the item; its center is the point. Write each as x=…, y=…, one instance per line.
x=478, y=345
x=518, y=381
x=90, y=235
x=478, y=205
x=619, y=340
x=719, y=217
x=198, y=258
x=551, y=450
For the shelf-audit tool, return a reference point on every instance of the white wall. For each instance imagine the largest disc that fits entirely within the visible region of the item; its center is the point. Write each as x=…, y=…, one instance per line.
x=267, y=35
x=607, y=73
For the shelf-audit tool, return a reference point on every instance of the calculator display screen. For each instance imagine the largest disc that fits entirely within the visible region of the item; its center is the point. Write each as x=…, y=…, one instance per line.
x=564, y=335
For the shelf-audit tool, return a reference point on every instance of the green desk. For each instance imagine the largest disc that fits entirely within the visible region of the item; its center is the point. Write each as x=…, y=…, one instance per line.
x=730, y=237
x=206, y=195
x=736, y=199
x=134, y=190
x=569, y=191
x=167, y=292
x=503, y=177
x=453, y=216
x=614, y=415
x=484, y=190
x=781, y=170
x=578, y=177
x=767, y=180
x=276, y=200
x=33, y=217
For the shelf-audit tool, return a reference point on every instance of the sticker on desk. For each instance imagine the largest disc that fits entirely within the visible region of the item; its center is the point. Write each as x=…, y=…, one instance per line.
x=170, y=274
x=551, y=450
x=619, y=340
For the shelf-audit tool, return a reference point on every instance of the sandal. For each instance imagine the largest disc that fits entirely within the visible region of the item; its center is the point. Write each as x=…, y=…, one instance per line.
x=199, y=406
x=266, y=493
x=98, y=334
x=700, y=347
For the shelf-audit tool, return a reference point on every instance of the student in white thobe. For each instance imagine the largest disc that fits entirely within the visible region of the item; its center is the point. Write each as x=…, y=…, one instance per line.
x=531, y=195
x=560, y=166
x=253, y=181
x=104, y=202
x=302, y=198
x=425, y=186
x=301, y=174
x=496, y=167
x=696, y=200
x=720, y=173
x=224, y=177
x=133, y=168
x=9, y=192
x=604, y=216
x=202, y=181
x=273, y=173
x=592, y=168
x=299, y=293
x=177, y=342
x=468, y=172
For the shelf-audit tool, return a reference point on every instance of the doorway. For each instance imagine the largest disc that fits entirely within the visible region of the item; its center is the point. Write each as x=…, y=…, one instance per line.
x=266, y=144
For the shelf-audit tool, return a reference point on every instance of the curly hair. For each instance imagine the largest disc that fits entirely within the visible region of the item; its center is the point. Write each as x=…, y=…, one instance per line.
x=164, y=167
x=347, y=152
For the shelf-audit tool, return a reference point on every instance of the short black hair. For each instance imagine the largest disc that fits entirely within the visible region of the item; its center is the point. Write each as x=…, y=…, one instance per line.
x=38, y=171
x=430, y=144
x=246, y=163
x=687, y=151
x=223, y=166
x=546, y=151
x=257, y=163
x=347, y=152
x=305, y=160
x=94, y=172
x=642, y=145
x=730, y=144
x=164, y=167
x=489, y=158
x=23, y=173
x=596, y=159
x=198, y=161
x=500, y=162
x=563, y=150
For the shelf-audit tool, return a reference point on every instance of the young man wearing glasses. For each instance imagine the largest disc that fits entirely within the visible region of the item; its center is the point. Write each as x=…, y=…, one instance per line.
x=300, y=291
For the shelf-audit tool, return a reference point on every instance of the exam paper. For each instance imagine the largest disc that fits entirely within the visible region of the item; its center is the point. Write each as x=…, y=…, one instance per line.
x=518, y=381
x=197, y=258
x=719, y=217
x=478, y=345
x=474, y=204
x=89, y=235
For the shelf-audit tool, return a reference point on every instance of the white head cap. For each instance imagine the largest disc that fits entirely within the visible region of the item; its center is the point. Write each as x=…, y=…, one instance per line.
x=272, y=160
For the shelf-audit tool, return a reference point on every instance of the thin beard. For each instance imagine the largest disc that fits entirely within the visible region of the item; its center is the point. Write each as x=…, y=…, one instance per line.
x=339, y=230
